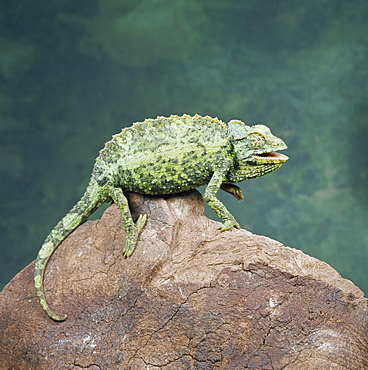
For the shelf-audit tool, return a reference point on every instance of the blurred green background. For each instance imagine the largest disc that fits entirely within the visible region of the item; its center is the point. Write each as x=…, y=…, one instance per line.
x=73, y=73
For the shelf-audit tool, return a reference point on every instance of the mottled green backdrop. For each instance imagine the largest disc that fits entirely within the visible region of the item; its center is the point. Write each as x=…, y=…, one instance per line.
x=72, y=73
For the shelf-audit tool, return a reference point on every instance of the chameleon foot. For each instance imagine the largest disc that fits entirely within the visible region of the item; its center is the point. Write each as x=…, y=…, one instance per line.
x=132, y=236
x=228, y=224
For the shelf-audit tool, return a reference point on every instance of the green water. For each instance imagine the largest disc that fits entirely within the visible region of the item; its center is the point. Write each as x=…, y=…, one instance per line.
x=72, y=73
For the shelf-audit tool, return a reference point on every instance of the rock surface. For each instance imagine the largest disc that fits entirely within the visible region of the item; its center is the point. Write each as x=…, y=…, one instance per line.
x=190, y=297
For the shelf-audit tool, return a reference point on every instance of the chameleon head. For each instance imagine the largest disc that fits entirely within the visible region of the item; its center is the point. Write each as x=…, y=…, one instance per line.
x=255, y=144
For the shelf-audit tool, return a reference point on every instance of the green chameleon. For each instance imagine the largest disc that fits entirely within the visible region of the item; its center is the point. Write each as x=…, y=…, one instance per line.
x=165, y=156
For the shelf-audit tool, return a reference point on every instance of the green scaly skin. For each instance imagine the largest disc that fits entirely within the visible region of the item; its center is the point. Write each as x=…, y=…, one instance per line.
x=182, y=153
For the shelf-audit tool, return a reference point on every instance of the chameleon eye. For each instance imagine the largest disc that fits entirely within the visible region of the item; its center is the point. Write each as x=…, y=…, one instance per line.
x=256, y=140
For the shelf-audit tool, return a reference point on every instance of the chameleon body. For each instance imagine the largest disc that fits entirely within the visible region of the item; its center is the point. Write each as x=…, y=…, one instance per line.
x=165, y=156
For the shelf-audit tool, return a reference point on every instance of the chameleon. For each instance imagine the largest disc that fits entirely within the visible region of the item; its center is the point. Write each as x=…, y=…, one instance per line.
x=167, y=155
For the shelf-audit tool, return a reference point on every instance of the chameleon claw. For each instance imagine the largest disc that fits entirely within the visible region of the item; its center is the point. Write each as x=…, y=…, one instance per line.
x=227, y=225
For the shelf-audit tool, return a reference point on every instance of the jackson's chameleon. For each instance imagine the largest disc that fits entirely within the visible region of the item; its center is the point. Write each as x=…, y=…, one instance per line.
x=165, y=156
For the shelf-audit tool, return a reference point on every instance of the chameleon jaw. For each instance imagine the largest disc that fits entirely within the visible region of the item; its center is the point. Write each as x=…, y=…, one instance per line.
x=268, y=158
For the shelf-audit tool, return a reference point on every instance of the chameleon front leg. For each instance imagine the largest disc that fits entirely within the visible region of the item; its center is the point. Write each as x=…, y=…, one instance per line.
x=210, y=197
x=132, y=229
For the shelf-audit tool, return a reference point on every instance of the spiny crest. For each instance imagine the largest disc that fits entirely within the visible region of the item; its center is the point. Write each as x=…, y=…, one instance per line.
x=208, y=118
x=174, y=116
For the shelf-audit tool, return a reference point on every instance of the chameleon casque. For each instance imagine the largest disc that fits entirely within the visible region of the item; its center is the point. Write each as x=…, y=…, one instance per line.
x=165, y=156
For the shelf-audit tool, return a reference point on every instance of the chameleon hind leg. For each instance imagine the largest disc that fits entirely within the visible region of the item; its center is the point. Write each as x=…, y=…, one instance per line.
x=131, y=228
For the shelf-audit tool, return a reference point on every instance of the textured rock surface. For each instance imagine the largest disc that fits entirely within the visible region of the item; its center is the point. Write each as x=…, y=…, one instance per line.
x=189, y=297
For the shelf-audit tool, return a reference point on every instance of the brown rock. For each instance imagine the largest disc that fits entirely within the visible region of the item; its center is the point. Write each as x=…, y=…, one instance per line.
x=189, y=297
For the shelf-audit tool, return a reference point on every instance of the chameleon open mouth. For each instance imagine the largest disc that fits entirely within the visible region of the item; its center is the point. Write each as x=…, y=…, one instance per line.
x=271, y=157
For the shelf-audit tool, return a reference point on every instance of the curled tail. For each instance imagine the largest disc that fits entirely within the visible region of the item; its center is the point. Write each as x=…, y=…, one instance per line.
x=90, y=201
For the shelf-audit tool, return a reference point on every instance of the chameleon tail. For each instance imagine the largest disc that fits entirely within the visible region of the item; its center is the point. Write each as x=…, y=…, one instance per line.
x=89, y=202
